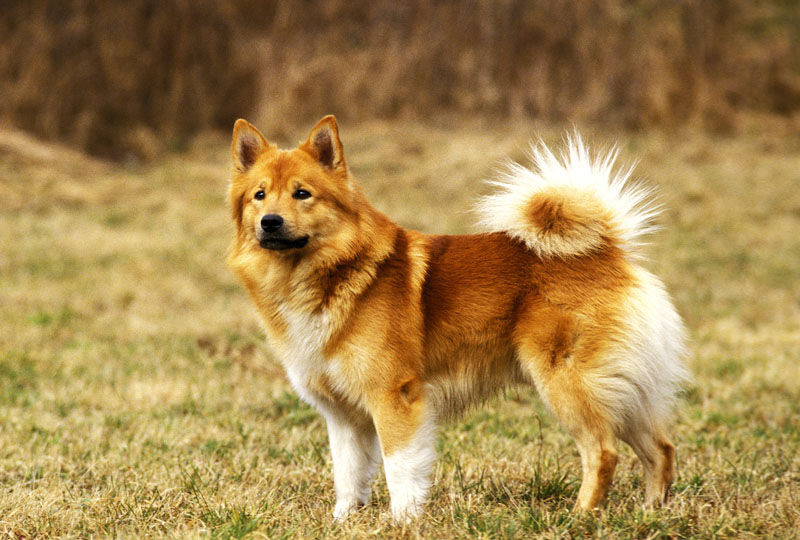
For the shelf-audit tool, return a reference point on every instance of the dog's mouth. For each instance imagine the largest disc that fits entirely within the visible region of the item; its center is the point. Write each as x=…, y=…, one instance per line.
x=279, y=243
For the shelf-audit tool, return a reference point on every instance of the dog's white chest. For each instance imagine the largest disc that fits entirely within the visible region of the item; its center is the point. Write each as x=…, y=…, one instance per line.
x=303, y=350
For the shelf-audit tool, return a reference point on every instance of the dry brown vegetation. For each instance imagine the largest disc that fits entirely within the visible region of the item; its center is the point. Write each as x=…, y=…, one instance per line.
x=645, y=62
x=110, y=76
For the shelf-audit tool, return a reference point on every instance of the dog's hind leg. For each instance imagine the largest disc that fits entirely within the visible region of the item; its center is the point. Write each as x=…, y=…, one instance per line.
x=583, y=417
x=657, y=456
x=593, y=434
x=552, y=360
x=599, y=461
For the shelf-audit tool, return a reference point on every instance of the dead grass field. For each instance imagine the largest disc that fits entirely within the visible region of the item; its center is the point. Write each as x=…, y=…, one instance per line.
x=138, y=399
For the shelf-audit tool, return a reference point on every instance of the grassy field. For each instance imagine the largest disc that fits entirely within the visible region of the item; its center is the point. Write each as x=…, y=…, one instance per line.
x=138, y=399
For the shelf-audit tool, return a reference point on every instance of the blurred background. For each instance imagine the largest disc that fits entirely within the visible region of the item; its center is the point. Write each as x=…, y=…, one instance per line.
x=115, y=77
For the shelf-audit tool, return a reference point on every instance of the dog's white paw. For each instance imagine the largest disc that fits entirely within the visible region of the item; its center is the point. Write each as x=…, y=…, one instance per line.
x=344, y=508
x=406, y=511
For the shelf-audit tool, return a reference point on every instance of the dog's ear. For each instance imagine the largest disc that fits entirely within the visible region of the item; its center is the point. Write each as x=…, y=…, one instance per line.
x=323, y=144
x=248, y=145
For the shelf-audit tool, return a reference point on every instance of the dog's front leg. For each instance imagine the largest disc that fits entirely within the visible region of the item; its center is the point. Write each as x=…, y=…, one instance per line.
x=356, y=456
x=407, y=431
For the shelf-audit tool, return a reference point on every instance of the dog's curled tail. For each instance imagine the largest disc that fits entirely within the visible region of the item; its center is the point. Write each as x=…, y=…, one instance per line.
x=569, y=205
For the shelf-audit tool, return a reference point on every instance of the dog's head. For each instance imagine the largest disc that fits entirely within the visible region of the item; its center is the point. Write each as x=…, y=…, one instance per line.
x=291, y=202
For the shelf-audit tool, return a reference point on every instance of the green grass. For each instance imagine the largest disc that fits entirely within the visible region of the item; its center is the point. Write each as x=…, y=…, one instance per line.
x=138, y=398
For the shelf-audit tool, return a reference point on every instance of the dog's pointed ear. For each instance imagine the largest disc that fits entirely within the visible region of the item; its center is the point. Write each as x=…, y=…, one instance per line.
x=248, y=145
x=323, y=144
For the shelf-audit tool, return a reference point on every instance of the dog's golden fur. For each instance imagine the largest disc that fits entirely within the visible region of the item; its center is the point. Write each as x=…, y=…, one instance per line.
x=387, y=331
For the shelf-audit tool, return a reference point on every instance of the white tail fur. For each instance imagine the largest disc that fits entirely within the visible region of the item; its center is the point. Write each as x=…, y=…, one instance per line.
x=570, y=204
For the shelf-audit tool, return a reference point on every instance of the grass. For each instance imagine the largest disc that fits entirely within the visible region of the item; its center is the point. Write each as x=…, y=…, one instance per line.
x=138, y=399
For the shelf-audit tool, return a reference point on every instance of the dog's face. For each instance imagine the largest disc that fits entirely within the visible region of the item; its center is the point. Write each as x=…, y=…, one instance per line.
x=291, y=202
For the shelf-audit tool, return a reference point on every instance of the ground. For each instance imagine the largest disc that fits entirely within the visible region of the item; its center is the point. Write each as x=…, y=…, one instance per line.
x=138, y=398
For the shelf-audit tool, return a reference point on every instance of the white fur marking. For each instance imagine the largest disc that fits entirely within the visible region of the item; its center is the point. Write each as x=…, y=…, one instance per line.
x=638, y=381
x=408, y=472
x=302, y=353
x=655, y=347
x=355, y=450
x=356, y=456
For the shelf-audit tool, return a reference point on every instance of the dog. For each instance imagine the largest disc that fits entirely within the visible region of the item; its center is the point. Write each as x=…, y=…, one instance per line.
x=387, y=332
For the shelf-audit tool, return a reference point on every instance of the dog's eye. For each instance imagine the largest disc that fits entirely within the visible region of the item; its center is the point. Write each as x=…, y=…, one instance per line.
x=301, y=194
x=259, y=195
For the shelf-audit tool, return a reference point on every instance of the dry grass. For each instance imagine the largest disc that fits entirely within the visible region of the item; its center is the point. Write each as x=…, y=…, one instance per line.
x=137, y=398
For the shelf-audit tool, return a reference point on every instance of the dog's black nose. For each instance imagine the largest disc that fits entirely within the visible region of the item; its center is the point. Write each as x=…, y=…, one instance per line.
x=271, y=222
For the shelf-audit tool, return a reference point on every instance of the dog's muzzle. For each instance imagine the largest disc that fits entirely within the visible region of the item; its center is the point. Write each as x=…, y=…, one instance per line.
x=273, y=235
